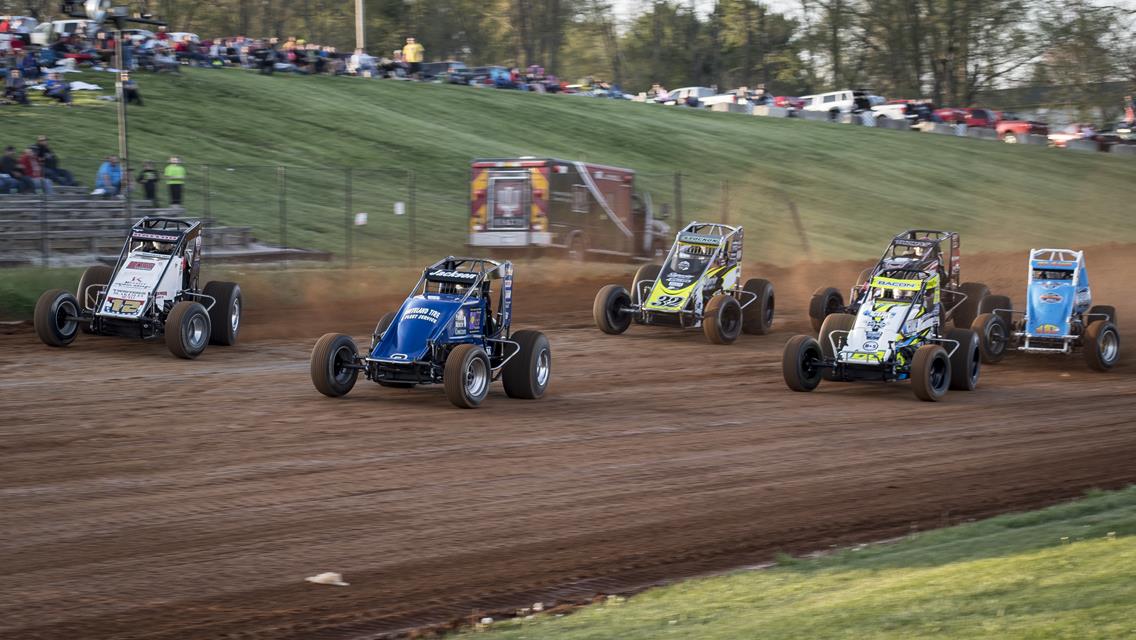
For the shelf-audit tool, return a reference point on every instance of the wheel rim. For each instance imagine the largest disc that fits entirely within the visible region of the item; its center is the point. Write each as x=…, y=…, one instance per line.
x=65, y=313
x=730, y=318
x=1109, y=346
x=476, y=378
x=235, y=316
x=196, y=331
x=996, y=338
x=768, y=319
x=543, y=367
x=809, y=368
x=1011, y=139
x=975, y=363
x=938, y=373
x=614, y=317
x=340, y=370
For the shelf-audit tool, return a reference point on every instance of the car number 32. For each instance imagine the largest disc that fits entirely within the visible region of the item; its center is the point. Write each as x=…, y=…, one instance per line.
x=668, y=301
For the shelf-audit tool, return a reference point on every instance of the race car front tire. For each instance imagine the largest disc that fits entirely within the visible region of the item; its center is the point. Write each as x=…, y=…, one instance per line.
x=833, y=323
x=645, y=272
x=966, y=361
x=466, y=376
x=798, y=363
x=993, y=337
x=1101, y=343
x=55, y=318
x=331, y=364
x=526, y=375
x=225, y=314
x=971, y=307
x=930, y=373
x=187, y=329
x=722, y=319
x=825, y=301
x=608, y=309
x=1102, y=312
x=758, y=314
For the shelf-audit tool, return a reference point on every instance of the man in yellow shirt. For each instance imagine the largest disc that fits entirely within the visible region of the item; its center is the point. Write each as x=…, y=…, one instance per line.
x=175, y=177
x=412, y=53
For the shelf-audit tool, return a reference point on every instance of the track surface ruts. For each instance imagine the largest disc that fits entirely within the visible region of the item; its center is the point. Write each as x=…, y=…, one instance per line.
x=148, y=497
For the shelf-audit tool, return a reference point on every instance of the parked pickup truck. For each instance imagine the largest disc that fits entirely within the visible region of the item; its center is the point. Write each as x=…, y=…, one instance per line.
x=1008, y=125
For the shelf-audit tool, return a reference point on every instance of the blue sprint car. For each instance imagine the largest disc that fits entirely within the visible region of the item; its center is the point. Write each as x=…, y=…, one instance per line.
x=452, y=330
x=1060, y=316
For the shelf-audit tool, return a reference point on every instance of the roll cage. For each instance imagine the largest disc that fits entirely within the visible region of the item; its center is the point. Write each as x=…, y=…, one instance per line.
x=468, y=278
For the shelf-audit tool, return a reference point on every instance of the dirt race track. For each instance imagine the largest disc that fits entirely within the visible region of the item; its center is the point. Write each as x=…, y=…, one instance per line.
x=147, y=497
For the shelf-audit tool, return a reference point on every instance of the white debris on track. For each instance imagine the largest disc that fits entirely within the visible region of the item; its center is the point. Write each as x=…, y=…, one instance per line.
x=329, y=577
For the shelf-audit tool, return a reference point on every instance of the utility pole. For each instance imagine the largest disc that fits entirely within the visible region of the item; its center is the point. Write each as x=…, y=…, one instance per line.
x=360, y=39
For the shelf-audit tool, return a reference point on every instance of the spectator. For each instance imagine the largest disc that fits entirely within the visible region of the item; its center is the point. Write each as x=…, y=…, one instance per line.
x=11, y=173
x=130, y=89
x=57, y=89
x=413, y=53
x=108, y=181
x=1129, y=109
x=33, y=171
x=29, y=66
x=14, y=87
x=175, y=177
x=162, y=35
x=149, y=179
x=50, y=162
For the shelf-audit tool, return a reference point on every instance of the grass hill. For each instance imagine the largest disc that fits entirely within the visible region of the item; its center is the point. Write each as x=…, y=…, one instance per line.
x=853, y=186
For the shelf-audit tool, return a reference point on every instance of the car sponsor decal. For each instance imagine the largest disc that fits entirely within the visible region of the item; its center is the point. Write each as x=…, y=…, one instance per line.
x=450, y=275
x=422, y=313
x=904, y=242
x=895, y=283
x=697, y=238
x=1047, y=329
x=1051, y=298
x=139, y=265
x=870, y=346
x=156, y=237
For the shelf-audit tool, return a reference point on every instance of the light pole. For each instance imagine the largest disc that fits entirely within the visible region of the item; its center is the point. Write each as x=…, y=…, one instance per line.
x=360, y=37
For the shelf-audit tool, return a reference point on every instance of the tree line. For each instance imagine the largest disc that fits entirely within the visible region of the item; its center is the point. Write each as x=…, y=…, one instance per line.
x=948, y=50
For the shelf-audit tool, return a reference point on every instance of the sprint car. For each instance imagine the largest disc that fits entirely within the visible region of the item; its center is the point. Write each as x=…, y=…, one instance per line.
x=697, y=286
x=449, y=331
x=151, y=292
x=1060, y=316
x=895, y=328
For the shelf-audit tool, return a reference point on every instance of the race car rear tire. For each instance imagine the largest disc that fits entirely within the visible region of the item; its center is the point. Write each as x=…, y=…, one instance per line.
x=798, y=363
x=225, y=315
x=1002, y=305
x=966, y=361
x=722, y=319
x=467, y=376
x=863, y=277
x=331, y=358
x=54, y=318
x=98, y=274
x=971, y=307
x=825, y=301
x=930, y=373
x=1097, y=311
x=645, y=272
x=758, y=315
x=834, y=322
x=993, y=337
x=608, y=309
x=382, y=326
x=187, y=329
x=1101, y=344
x=526, y=375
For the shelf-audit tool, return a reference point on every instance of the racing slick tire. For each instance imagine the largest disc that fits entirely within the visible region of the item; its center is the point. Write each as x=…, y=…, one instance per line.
x=825, y=301
x=225, y=315
x=607, y=309
x=98, y=274
x=966, y=361
x=54, y=318
x=187, y=329
x=993, y=337
x=930, y=373
x=798, y=363
x=467, y=376
x=971, y=307
x=383, y=325
x=645, y=272
x=1002, y=305
x=834, y=322
x=863, y=277
x=1097, y=311
x=722, y=319
x=757, y=316
x=1101, y=343
x=526, y=375
x=331, y=357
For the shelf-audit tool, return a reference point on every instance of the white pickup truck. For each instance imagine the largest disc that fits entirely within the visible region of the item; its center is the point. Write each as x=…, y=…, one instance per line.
x=838, y=102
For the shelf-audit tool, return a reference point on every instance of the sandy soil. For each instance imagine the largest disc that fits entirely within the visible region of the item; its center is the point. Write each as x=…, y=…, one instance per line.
x=148, y=497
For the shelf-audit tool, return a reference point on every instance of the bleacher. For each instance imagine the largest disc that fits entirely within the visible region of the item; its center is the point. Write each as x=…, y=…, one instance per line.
x=73, y=227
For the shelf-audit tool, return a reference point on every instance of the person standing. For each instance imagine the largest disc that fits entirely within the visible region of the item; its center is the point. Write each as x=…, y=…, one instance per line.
x=1129, y=109
x=175, y=177
x=413, y=53
x=149, y=179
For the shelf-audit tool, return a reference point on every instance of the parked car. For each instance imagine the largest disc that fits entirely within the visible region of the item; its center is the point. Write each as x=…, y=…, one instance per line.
x=682, y=96
x=844, y=101
x=1009, y=125
x=788, y=102
x=1074, y=131
x=49, y=32
x=179, y=36
x=894, y=110
x=138, y=36
x=451, y=71
x=1119, y=133
x=489, y=76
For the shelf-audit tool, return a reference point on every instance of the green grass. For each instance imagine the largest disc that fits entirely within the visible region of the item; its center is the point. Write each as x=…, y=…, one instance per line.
x=853, y=186
x=1062, y=572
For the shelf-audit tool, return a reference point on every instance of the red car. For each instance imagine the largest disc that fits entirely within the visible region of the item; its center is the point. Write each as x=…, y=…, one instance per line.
x=1008, y=125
